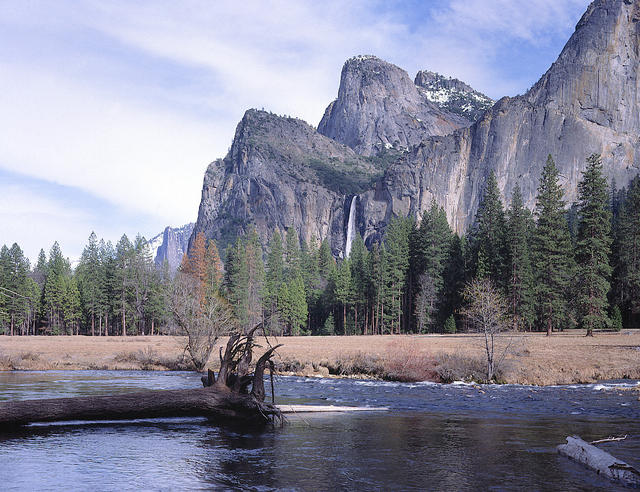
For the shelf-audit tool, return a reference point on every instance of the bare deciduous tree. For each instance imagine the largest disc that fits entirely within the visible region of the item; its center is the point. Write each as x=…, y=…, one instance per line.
x=202, y=320
x=486, y=313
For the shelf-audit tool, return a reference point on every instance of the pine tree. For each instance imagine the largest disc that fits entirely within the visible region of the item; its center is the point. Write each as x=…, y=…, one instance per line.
x=359, y=281
x=15, y=301
x=397, y=258
x=520, y=281
x=142, y=268
x=89, y=279
x=274, y=278
x=58, y=270
x=293, y=305
x=489, y=233
x=122, y=274
x=593, y=247
x=627, y=254
x=255, y=278
x=343, y=290
x=236, y=281
x=377, y=286
x=71, y=307
x=292, y=264
x=454, y=277
x=108, y=288
x=430, y=246
x=552, y=251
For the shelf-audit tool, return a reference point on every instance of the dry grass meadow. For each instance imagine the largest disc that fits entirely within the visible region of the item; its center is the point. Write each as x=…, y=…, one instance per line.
x=563, y=358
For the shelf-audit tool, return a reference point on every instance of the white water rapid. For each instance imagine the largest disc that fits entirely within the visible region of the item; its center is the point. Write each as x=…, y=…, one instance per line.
x=351, y=227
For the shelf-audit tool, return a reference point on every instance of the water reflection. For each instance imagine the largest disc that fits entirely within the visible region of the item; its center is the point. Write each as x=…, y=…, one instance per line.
x=435, y=438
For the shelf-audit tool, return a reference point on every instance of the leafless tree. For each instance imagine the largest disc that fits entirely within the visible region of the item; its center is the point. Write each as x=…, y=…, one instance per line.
x=425, y=301
x=486, y=313
x=201, y=320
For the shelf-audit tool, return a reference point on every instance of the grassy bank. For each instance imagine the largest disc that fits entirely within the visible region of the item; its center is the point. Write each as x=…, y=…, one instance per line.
x=564, y=358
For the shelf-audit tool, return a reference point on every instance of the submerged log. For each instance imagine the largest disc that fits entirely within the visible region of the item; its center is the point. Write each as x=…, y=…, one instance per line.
x=600, y=461
x=224, y=398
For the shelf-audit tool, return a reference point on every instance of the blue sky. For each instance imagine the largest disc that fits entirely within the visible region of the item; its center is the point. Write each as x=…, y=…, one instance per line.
x=111, y=110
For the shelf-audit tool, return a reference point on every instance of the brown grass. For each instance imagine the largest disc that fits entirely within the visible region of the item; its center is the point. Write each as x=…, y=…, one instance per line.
x=563, y=358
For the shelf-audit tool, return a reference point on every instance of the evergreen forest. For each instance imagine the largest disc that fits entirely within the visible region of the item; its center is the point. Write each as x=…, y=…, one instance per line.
x=556, y=267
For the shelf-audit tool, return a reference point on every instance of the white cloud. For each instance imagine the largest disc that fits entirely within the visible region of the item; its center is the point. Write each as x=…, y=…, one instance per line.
x=130, y=100
x=146, y=158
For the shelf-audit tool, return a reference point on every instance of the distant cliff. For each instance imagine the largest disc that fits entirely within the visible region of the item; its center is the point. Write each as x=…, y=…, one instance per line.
x=453, y=95
x=171, y=245
x=396, y=145
x=379, y=107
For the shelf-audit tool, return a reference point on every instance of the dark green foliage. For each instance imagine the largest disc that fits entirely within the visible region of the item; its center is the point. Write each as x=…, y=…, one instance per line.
x=412, y=281
x=89, y=275
x=551, y=252
x=488, y=237
x=18, y=292
x=593, y=247
x=616, y=319
x=450, y=325
x=340, y=176
x=430, y=249
x=520, y=298
x=396, y=316
x=626, y=254
x=274, y=277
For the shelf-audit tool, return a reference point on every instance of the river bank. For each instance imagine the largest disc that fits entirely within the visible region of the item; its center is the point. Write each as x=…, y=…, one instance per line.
x=564, y=358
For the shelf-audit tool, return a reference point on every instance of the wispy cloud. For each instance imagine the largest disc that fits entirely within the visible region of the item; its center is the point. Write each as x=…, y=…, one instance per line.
x=129, y=101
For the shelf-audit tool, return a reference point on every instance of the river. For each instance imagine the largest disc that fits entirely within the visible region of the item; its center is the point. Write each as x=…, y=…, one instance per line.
x=434, y=437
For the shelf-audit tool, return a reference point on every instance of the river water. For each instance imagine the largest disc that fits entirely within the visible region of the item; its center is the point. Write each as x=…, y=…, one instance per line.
x=433, y=437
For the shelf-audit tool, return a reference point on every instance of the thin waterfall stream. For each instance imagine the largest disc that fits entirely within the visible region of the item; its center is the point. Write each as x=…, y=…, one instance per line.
x=351, y=227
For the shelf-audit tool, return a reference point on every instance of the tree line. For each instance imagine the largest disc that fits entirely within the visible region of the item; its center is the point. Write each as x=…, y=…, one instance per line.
x=112, y=291
x=555, y=267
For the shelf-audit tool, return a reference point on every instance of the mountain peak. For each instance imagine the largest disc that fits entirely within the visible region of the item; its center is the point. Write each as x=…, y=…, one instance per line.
x=379, y=107
x=596, y=75
x=453, y=95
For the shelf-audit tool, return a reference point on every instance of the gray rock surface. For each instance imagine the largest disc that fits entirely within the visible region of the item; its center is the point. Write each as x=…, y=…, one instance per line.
x=171, y=245
x=379, y=107
x=453, y=95
x=281, y=173
x=586, y=102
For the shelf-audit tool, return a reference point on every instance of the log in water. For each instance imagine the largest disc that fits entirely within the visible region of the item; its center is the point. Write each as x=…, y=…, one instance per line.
x=600, y=461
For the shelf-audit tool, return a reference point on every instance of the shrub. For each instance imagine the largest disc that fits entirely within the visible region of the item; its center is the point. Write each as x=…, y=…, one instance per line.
x=616, y=319
x=404, y=362
x=450, y=325
x=458, y=367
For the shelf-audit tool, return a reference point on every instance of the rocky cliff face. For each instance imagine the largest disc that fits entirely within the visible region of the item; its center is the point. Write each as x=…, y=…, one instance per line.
x=171, y=245
x=379, y=107
x=586, y=102
x=401, y=151
x=453, y=95
x=281, y=173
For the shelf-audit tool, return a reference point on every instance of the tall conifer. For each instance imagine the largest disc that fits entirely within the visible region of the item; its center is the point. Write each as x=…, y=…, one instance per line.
x=552, y=251
x=593, y=247
x=520, y=277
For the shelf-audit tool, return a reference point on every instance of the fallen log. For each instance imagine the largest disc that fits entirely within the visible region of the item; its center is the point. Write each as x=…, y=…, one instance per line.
x=600, y=461
x=224, y=398
x=198, y=402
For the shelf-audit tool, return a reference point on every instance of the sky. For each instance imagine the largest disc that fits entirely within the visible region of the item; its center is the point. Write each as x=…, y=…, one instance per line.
x=110, y=111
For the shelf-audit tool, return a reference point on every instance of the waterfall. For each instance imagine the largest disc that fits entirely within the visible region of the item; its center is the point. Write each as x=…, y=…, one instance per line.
x=351, y=227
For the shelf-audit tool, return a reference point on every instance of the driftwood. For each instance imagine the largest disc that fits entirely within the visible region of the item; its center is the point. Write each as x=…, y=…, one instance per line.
x=223, y=398
x=326, y=409
x=600, y=461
